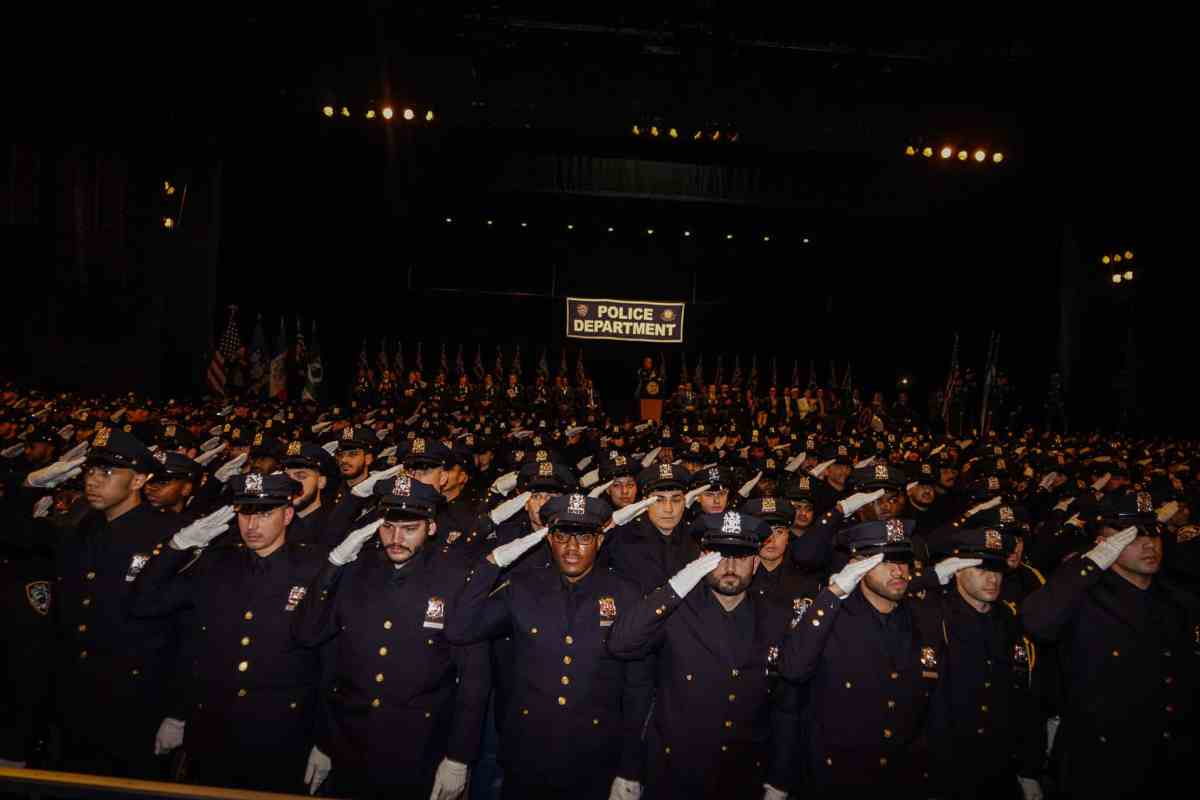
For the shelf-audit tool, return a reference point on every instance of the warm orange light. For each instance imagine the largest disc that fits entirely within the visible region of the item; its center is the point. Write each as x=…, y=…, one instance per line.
x=947, y=152
x=345, y=111
x=696, y=136
x=910, y=151
x=654, y=130
x=1117, y=258
x=388, y=112
x=1129, y=255
x=1116, y=277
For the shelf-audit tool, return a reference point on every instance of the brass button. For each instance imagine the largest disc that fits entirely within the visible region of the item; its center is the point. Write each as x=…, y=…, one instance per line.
x=91, y=576
x=887, y=733
x=135, y=672
x=245, y=641
x=83, y=628
x=891, y=703
x=241, y=692
x=895, y=675
x=1103, y=740
x=248, y=615
x=383, y=651
x=829, y=762
x=688, y=676
x=87, y=601
x=565, y=680
x=734, y=673
x=883, y=762
x=668, y=750
x=1116, y=653
x=569, y=639
x=567, y=660
x=533, y=630
x=429, y=641
x=375, y=703
x=524, y=712
x=387, y=624
x=562, y=701
x=595, y=722
x=732, y=697
x=428, y=714
x=243, y=666
x=1083, y=572
x=987, y=684
x=849, y=684
x=658, y=611
x=292, y=704
x=816, y=623
x=83, y=653
x=980, y=731
x=723, y=748
x=379, y=677
x=983, y=709
x=728, y=723
x=820, y=612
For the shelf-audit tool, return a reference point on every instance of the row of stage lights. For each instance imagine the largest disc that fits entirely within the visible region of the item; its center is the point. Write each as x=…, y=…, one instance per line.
x=387, y=113
x=948, y=152
x=570, y=227
x=1113, y=259
x=710, y=134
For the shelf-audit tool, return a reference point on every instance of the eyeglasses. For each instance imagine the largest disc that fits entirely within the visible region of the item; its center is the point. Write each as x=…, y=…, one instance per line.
x=583, y=539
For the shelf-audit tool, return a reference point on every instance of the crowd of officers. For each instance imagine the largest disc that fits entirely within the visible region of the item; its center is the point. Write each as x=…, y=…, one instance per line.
x=516, y=604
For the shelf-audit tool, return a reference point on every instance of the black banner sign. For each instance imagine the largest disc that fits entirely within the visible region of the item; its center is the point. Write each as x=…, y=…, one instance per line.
x=624, y=320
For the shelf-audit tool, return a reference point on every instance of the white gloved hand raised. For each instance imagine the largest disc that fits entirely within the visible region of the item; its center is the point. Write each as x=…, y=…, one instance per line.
x=508, y=508
x=589, y=478
x=691, y=496
x=984, y=506
x=795, y=461
x=686, y=579
x=367, y=485
x=585, y=462
x=1047, y=481
x=51, y=476
x=348, y=550
x=819, y=469
x=625, y=790
x=771, y=793
x=208, y=455
x=598, y=490
x=203, y=530
x=648, y=459
x=1106, y=553
x=624, y=515
x=843, y=583
x=505, y=483
x=450, y=781
x=947, y=568
x=230, y=468
x=749, y=485
x=506, y=554
x=1167, y=510
x=1063, y=505
x=317, y=770
x=169, y=736
x=42, y=507
x=856, y=501
x=78, y=451
x=1030, y=789
x=1100, y=484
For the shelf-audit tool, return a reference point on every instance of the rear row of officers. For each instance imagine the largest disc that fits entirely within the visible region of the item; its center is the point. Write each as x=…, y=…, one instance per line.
x=673, y=647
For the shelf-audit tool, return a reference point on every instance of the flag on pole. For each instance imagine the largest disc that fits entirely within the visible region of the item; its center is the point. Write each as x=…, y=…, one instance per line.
x=754, y=373
x=684, y=378
x=662, y=368
x=315, y=377
x=736, y=380
x=774, y=372
x=443, y=362
x=225, y=352
x=258, y=360
x=499, y=368
x=419, y=361
x=812, y=375
x=279, y=368
x=460, y=368
x=719, y=378
x=698, y=374
x=833, y=380
x=516, y=364
x=562, y=363
x=381, y=358
x=477, y=367
x=398, y=360
x=580, y=372
x=796, y=372
x=364, y=363
x=301, y=353
x=543, y=367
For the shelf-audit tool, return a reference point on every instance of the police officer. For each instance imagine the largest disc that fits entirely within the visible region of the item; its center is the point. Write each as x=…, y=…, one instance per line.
x=252, y=697
x=987, y=731
x=620, y=473
x=777, y=575
x=654, y=546
x=873, y=492
x=871, y=663
x=104, y=652
x=722, y=725
x=573, y=724
x=1126, y=638
x=405, y=708
x=306, y=463
x=173, y=483
x=714, y=484
x=26, y=649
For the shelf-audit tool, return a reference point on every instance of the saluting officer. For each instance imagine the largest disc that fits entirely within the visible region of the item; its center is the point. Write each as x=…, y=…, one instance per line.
x=656, y=545
x=572, y=727
x=252, y=689
x=106, y=653
x=777, y=575
x=871, y=664
x=405, y=709
x=987, y=732
x=722, y=725
x=874, y=492
x=1127, y=639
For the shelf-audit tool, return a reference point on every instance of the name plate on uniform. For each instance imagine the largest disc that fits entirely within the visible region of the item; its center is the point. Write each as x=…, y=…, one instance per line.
x=624, y=320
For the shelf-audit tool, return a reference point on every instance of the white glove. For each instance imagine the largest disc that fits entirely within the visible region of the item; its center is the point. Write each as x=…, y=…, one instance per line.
x=686, y=579
x=936, y=450
x=819, y=469
x=321, y=427
x=599, y=490
x=691, y=496
x=317, y=770
x=1051, y=732
x=973, y=510
x=574, y=429
x=506, y=554
x=1047, y=482
x=1100, y=484
x=505, y=483
x=590, y=478
x=505, y=510
x=42, y=507
x=771, y=793
x=203, y=530
x=749, y=485
x=866, y=462
x=945, y=569
x=1063, y=505
x=625, y=790
x=206, y=458
x=1106, y=553
x=1167, y=511
x=116, y=416
x=1030, y=789
x=856, y=501
x=66, y=432
x=330, y=447
x=387, y=452
x=852, y=573
x=169, y=736
x=347, y=551
x=53, y=475
x=76, y=452
x=364, y=487
x=14, y=451
x=623, y=515
x=215, y=430
x=230, y=468
x=718, y=443
x=584, y=462
x=794, y=462
x=450, y=781
x=648, y=459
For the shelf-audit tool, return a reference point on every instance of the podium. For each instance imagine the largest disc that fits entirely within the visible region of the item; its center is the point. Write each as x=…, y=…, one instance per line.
x=650, y=400
x=651, y=409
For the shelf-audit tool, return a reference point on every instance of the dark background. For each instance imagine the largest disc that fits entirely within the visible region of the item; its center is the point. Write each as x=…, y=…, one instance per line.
x=343, y=221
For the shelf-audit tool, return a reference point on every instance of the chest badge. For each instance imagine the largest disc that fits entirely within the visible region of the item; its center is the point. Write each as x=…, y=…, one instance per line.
x=435, y=613
x=136, y=564
x=928, y=662
x=38, y=595
x=608, y=611
x=295, y=595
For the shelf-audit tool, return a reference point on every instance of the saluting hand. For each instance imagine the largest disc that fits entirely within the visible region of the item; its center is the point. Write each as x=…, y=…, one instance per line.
x=686, y=579
x=843, y=583
x=348, y=550
x=947, y=568
x=856, y=501
x=1108, y=550
x=367, y=485
x=203, y=530
x=506, y=554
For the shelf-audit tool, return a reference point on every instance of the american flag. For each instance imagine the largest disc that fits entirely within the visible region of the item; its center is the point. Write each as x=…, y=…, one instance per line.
x=231, y=342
